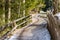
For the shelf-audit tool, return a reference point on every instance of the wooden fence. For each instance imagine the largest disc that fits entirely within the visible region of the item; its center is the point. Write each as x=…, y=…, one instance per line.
x=2, y=28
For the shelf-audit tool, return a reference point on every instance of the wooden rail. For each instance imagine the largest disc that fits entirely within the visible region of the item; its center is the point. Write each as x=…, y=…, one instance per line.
x=9, y=32
x=4, y=26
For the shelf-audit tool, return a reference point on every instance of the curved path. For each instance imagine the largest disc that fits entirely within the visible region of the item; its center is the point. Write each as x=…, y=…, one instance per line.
x=35, y=31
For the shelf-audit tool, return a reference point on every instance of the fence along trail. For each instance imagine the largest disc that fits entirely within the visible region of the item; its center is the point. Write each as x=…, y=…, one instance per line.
x=35, y=31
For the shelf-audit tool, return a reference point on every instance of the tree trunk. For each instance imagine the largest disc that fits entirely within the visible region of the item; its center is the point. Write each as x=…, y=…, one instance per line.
x=9, y=11
x=19, y=10
x=55, y=5
x=24, y=8
x=6, y=10
x=3, y=12
x=53, y=27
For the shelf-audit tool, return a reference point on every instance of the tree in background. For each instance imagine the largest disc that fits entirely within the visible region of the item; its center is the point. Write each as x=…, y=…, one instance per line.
x=55, y=6
x=31, y=4
x=2, y=12
x=11, y=10
x=48, y=6
x=58, y=5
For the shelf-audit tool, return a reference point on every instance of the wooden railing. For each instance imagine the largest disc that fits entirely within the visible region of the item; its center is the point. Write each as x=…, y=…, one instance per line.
x=2, y=28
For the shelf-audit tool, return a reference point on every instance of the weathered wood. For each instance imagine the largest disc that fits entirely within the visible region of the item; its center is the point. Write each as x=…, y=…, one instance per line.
x=9, y=32
x=10, y=24
x=53, y=27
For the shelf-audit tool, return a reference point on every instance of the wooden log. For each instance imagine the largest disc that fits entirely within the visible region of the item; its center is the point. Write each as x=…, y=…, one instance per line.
x=53, y=27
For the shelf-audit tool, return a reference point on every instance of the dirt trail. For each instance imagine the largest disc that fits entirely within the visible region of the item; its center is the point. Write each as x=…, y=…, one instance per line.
x=35, y=31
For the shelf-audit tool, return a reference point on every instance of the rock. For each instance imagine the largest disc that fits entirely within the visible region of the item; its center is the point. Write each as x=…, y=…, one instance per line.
x=36, y=31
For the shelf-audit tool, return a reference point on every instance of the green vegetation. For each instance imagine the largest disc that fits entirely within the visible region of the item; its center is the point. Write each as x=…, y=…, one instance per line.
x=48, y=4
x=11, y=10
x=31, y=4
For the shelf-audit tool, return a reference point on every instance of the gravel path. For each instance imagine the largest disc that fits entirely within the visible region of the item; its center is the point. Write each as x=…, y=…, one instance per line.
x=36, y=31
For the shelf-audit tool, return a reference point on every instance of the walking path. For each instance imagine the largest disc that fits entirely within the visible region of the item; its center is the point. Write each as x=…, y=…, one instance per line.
x=35, y=31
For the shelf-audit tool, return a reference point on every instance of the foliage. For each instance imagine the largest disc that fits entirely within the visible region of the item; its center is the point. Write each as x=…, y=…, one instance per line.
x=48, y=4
x=17, y=7
x=31, y=4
